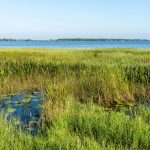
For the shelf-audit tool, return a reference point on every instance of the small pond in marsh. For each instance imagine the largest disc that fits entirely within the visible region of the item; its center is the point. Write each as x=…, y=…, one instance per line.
x=26, y=108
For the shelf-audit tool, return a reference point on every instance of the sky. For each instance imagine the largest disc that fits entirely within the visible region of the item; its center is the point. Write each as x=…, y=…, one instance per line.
x=52, y=19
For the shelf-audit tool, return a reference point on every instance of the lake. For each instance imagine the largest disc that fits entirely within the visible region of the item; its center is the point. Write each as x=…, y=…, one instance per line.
x=75, y=44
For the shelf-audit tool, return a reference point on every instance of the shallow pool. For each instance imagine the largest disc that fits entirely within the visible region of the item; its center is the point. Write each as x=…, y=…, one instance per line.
x=26, y=108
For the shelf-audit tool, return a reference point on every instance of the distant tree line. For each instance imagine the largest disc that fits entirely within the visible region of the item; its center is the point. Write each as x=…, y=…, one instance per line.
x=82, y=39
x=75, y=39
x=5, y=39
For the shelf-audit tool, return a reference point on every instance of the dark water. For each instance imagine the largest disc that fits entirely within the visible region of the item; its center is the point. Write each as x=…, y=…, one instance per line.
x=26, y=108
x=75, y=44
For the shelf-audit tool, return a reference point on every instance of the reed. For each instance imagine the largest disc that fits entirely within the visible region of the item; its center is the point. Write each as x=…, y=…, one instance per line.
x=82, y=89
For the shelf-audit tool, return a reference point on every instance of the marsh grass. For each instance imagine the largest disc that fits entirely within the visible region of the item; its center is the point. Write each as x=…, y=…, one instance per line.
x=84, y=127
x=81, y=88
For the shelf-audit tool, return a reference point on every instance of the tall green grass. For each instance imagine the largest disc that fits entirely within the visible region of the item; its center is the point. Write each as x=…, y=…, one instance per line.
x=106, y=76
x=85, y=127
x=82, y=87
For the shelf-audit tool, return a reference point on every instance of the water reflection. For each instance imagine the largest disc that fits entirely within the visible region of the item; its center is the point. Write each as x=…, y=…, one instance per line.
x=26, y=108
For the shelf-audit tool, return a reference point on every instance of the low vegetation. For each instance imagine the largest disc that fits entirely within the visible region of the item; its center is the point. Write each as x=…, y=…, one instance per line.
x=95, y=99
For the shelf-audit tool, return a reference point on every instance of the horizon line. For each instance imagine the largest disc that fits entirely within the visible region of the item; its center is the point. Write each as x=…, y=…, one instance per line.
x=74, y=39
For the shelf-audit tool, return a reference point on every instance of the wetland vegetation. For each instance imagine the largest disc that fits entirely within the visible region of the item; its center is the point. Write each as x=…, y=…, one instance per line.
x=93, y=99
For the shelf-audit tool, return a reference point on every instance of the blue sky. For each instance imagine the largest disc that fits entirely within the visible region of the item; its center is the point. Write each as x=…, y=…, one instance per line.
x=46, y=19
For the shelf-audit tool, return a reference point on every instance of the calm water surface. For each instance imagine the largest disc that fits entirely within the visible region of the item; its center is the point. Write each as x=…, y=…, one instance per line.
x=26, y=108
x=75, y=44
